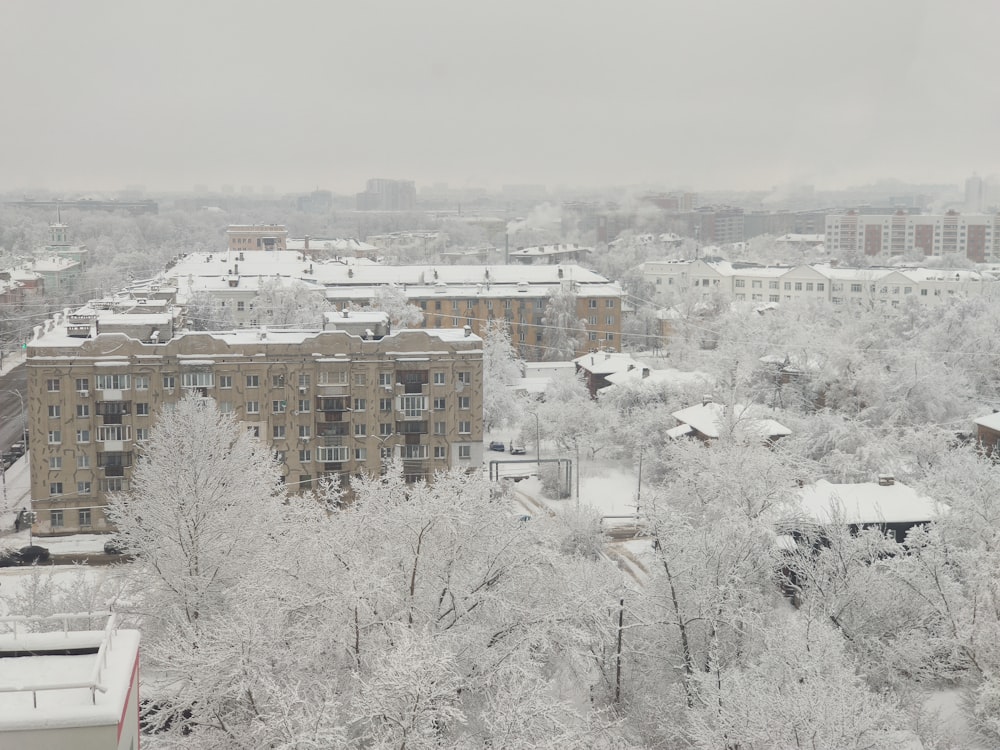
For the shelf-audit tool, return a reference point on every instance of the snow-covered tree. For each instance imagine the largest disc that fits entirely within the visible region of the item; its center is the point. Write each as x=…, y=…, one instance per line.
x=501, y=369
x=392, y=300
x=202, y=494
x=284, y=302
x=565, y=331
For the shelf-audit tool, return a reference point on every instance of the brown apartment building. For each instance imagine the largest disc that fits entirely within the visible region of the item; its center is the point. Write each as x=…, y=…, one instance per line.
x=450, y=296
x=326, y=401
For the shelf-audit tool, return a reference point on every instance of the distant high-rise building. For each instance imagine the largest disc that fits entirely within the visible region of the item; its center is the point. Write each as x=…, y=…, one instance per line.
x=975, y=194
x=388, y=195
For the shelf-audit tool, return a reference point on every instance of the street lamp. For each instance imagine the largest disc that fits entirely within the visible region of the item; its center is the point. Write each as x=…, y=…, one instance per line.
x=538, y=445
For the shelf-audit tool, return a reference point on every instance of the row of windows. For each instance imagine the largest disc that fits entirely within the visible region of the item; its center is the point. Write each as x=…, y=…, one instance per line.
x=57, y=518
x=207, y=380
x=105, y=433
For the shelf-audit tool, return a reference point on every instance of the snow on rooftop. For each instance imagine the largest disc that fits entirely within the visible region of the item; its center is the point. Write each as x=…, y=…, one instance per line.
x=708, y=417
x=867, y=503
x=991, y=422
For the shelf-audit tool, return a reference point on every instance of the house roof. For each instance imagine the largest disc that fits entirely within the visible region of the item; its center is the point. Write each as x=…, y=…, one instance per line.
x=990, y=422
x=706, y=418
x=867, y=503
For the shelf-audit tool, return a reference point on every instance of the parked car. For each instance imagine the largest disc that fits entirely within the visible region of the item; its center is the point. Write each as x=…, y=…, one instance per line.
x=18, y=448
x=25, y=556
x=517, y=448
x=8, y=459
x=113, y=547
x=497, y=445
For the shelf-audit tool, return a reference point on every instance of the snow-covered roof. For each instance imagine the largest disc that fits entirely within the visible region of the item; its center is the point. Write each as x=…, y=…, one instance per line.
x=991, y=422
x=337, y=245
x=867, y=503
x=541, y=251
x=668, y=376
x=707, y=417
x=605, y=363
x=65, y=707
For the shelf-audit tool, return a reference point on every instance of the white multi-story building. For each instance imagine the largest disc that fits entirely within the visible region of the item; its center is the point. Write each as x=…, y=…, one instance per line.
x=677, y=280
x=975, y=236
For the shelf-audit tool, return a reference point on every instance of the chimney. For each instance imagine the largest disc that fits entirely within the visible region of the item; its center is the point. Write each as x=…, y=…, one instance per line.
x=886, y=480
x=468, y=331
x=307, y=242
x=706, y=400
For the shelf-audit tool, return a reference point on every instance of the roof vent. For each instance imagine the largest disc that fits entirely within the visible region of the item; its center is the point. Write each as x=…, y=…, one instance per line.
x=886, y=480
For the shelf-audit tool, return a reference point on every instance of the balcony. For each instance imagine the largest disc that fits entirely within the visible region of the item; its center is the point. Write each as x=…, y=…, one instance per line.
x=331, y=405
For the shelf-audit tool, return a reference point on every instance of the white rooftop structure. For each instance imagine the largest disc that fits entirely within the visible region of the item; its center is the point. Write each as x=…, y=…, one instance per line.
x=709, y=418
x=68, y=688
x=868, y=503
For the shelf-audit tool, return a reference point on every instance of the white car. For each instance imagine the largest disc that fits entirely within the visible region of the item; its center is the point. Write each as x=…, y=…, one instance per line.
x=516, y=448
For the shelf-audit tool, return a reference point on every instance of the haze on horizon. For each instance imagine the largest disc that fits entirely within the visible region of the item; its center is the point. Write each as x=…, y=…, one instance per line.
x=306, y=94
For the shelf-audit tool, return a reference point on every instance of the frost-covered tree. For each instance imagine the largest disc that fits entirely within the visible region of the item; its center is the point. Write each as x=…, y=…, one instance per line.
x=203, y=493
x=393, y=301
x=565, y=331
x=283, y=302
x=501, y=369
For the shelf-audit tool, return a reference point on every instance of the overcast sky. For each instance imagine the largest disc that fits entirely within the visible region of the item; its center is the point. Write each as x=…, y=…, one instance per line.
x=704, y=94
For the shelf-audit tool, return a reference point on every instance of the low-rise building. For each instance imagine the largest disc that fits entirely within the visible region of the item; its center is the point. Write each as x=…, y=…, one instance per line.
x=64, y=684
x=708, y=420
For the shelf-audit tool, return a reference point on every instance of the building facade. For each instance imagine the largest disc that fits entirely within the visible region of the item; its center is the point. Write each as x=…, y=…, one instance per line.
x=450, y=296
x=256, y=237
x=676, y=281
x=326, y=401
x=974, y=236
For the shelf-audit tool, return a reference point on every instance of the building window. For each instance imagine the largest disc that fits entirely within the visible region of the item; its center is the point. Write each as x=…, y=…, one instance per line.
x=83, y=488
x=439, y=428
x=385, y=378
x=773, y=297
x=809, y=286
x=142, y=409
x=593, y=303
x=798, y=286
x=226, y=407
x=169, y=383
x=609, y=303
x=112, y=382
x=253, y=407
x=55, y=437
x=465, y=377
x=83, y=461
x=278, y=407
x=56, y=519
x=254, y=430
x=856, y=288
x=83, y=516
x=142, y=433
x=142, y=382
x=360, y=429
x=820, y=286
x=277, y=381
x=225, y=381
x=593, y=334
x=610, y=320
x=610, y=336
x=439, y=378
x=464, y=402
x=739, y=283
x=52, y=385
x=465, y=427
x=440, y=404
x=385, y=404
x=465, y=451
x=113, y=433
x=82, y=411
x=278, y=432
x=384, y=428
x=360, y=404
x=305, y=456
x=82, y=385
x=360, y=454
x=304, y=380
x=772, y=285
x=54, y=411
x=359, y=379
x=304, y=406
x=55, y=488
x=55, y=463
x=253, y=381
x=440, y=451
x=305, y=481
x=755, y=284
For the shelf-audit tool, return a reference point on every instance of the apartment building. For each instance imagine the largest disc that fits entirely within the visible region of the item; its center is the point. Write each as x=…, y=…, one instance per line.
x=975, y=236
x=326, y=402
x=675, y=281
x=256, y=237
x=450, y=296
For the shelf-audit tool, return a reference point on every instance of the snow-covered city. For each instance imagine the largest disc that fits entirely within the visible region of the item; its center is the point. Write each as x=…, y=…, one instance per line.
x=546, y=376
